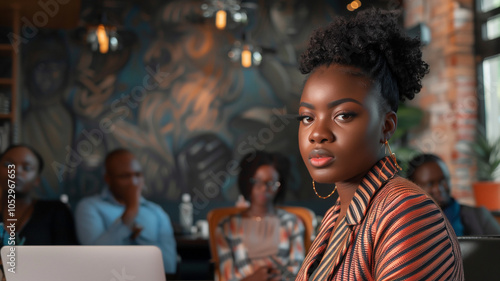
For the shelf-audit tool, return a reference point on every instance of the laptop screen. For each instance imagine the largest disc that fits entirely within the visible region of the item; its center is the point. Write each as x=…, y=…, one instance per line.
x=82, y=263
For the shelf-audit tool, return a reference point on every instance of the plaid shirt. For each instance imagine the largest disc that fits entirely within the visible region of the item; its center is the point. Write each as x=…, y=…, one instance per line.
x=234, y=262
x=392, y=231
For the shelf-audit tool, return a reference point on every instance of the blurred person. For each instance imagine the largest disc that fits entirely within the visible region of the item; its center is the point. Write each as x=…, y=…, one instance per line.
x=381, y=226
x=37, y=222
x=121, y=216
x=431, y=173
x=262, y=242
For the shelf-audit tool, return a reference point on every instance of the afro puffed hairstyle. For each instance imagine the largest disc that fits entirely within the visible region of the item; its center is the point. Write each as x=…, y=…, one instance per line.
x=374, y=42
x=252, y=161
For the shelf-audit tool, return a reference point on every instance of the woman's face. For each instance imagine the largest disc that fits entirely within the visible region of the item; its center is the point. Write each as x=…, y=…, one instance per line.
x=26, y=170
x=265, y=185
x=342, y=128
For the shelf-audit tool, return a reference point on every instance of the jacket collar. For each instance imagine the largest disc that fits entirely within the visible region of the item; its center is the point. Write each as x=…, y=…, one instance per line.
x=378, y=175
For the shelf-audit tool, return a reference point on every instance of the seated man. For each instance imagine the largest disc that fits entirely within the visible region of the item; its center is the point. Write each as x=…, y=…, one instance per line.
x=120, y=216
x=431, y=174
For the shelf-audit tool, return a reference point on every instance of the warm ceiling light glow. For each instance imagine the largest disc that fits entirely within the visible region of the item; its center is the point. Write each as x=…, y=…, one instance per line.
x=102, y=38
x=220, y=19
x=354, y=5
x=246, y=57
x=349, y=7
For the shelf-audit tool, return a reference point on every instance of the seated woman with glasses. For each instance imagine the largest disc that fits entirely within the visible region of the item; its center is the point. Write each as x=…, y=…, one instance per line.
x=262, y=242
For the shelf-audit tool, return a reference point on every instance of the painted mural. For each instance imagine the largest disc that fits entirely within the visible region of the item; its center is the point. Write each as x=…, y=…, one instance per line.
x=171, y=95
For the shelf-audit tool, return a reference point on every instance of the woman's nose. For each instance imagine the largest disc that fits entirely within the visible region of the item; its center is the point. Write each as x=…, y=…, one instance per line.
x=321, y=133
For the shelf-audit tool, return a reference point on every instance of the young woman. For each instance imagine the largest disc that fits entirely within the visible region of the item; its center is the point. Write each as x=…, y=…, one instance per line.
x=382, y=227
x=38, y=222
x=263, y=242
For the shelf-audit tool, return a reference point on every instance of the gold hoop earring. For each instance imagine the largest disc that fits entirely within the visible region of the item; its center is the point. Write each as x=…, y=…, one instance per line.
x=323, y=197
x=391, y=154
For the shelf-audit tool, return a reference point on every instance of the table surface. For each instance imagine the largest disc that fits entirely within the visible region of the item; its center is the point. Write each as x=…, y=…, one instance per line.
x=191, y=240
x=194, y=251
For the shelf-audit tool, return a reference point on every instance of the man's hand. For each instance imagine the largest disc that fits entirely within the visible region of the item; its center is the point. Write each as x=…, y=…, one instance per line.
x=136, y=230
x=131, y=196
x=130, y=199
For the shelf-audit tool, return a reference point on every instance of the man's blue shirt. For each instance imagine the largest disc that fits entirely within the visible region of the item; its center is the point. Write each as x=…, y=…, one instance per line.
x=98, y=222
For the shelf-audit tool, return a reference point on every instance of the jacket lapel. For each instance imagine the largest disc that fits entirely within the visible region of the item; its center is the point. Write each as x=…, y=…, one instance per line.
x=384, y=170
x=335, y=252
x=340, y=250
x=318, y=247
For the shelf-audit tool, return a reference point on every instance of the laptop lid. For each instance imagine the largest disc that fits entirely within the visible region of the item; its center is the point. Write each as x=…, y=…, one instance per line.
x=82, y=263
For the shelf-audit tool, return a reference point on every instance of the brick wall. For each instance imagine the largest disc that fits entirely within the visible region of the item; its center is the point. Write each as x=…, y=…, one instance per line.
x=449, y=95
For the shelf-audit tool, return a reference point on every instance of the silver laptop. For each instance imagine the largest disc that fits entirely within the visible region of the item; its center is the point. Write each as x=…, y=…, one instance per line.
x=82, y=263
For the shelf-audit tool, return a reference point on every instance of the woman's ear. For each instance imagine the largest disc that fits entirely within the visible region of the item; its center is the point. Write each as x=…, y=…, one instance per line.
x=389, y=126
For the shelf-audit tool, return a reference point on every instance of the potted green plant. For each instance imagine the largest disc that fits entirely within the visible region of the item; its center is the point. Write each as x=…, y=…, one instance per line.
x=487, y=155
x=409, y=117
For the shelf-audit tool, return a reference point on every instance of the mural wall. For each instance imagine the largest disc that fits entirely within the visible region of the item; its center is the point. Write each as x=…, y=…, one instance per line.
x=171, y=95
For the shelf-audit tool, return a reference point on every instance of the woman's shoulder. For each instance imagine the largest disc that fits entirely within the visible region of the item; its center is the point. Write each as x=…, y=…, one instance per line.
x=231, y=219
x=52, y=208
x=286, y=216
x=51, y=204
x=399, y=187
x=400, y=193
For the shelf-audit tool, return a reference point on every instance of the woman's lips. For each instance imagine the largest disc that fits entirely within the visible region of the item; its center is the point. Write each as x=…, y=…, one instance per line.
x=320, y=157
x=319, y=162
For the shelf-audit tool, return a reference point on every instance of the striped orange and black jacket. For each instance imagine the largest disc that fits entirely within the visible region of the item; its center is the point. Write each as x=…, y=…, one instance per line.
x=392, y=231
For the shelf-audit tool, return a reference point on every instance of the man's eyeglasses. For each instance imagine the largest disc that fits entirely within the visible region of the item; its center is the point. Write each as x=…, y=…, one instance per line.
x=270, y=185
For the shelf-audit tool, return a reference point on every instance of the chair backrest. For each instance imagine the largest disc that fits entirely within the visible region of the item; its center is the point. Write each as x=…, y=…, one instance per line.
x=308, y=217
x=481, y=257
x=215, y=216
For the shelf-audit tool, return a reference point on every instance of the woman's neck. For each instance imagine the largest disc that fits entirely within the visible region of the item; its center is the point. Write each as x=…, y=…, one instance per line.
x=261, y=210
x=347, y=189
x=346, y=192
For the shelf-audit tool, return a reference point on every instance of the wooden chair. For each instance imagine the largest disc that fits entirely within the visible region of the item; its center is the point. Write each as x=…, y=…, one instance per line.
x=215, y=216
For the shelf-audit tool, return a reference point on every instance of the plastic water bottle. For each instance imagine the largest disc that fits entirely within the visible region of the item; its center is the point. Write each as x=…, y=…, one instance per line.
x=186, y=213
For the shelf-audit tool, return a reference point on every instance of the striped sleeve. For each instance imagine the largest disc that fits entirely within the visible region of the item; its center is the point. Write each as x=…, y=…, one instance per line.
x=228, y=248
x=413, y=241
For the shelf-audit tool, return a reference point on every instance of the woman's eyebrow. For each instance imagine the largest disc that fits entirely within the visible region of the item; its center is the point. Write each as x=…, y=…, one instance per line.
x=340, y=101
x=305, y=104
x=331, y=104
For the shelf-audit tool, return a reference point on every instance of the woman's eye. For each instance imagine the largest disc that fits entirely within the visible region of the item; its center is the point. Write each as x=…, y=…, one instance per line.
x=345, y=116
x=306, y=120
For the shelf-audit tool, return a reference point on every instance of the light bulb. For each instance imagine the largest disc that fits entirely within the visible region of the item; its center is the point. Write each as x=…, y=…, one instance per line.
x=102, y=38
x=246, y=58
x=220, y=19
